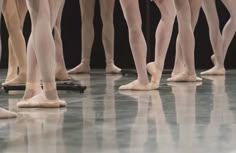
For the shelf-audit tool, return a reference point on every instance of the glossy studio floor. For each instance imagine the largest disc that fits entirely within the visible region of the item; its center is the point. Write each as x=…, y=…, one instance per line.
x=178, y=118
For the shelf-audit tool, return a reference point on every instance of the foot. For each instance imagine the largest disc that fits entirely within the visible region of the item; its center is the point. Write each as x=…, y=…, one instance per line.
x=184, y=77
x=10, y=77
x=81, y=68
x=177, y=70
x=11, y=73
x=32, y=89
x=62, y=75
x=113, y=69
x=155, y=74
x=174, y=74
x=20, y=79
x=41, y=101
x=5, y=114
x=136, y=85
x=214, y=71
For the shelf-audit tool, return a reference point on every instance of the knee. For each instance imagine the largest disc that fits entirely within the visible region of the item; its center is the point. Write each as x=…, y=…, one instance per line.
x=14, y=31
x=107, y=16
x=135, y=30
x=107, y=21
x=87, y=19
x=232, y=21
x=168, y=19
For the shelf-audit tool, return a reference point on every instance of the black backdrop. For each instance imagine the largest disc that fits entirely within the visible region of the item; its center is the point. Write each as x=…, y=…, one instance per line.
x=71, y=34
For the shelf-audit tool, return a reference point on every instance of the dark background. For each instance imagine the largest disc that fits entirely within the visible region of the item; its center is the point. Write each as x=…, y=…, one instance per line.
x=71, y=35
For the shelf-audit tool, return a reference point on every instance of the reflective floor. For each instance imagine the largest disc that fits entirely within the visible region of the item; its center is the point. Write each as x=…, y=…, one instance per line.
x=178, y=118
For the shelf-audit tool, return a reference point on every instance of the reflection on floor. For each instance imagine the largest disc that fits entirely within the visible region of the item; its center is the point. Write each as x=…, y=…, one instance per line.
x=178, y=118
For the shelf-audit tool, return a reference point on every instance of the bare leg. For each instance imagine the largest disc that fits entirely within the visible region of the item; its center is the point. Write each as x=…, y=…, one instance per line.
x=43, y=16
x=61, y=73
x=138, y=45
x=163, y=36
x=209, y=8
x=16, y=39
x=187, y=13
x=87, y=14
x=107, y=8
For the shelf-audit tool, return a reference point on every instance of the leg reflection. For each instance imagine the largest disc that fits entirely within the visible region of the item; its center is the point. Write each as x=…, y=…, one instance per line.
x=185, y=94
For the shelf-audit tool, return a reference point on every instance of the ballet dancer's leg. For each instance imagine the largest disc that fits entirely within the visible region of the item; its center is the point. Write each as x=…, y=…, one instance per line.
x=230, y=27
x=137, y=43
x=33, y=85
x=210, y=10
x=163, y=36
x=12, y=62
x=179, y=65
x=107, y=8
x=16, y=40
x=4, y=114
x=43, y=20
x=61, y=73
x=187, y=13
x=87, y=15
x=227, y=36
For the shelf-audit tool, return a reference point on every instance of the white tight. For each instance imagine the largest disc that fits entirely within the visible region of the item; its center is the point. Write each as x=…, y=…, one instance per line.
x=137, y=42
x=41, y=47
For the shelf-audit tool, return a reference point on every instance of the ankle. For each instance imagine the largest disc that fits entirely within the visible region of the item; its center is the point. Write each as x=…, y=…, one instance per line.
x=85, y=62
x=50, y=91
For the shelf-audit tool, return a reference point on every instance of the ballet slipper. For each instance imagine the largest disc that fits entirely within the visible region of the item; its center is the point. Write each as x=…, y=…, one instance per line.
x=5, y=114
x=32, y=89
x=136, y=85
x=20, y=79
x=155, y=74
x=62, y=75
x=112, y=69
x=40, y=101
x=10, y=76
x=81, y=68
x=183, y=77
x=214, y=71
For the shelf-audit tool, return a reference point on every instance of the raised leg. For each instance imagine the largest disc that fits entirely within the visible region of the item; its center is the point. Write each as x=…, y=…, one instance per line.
x=163, y=36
